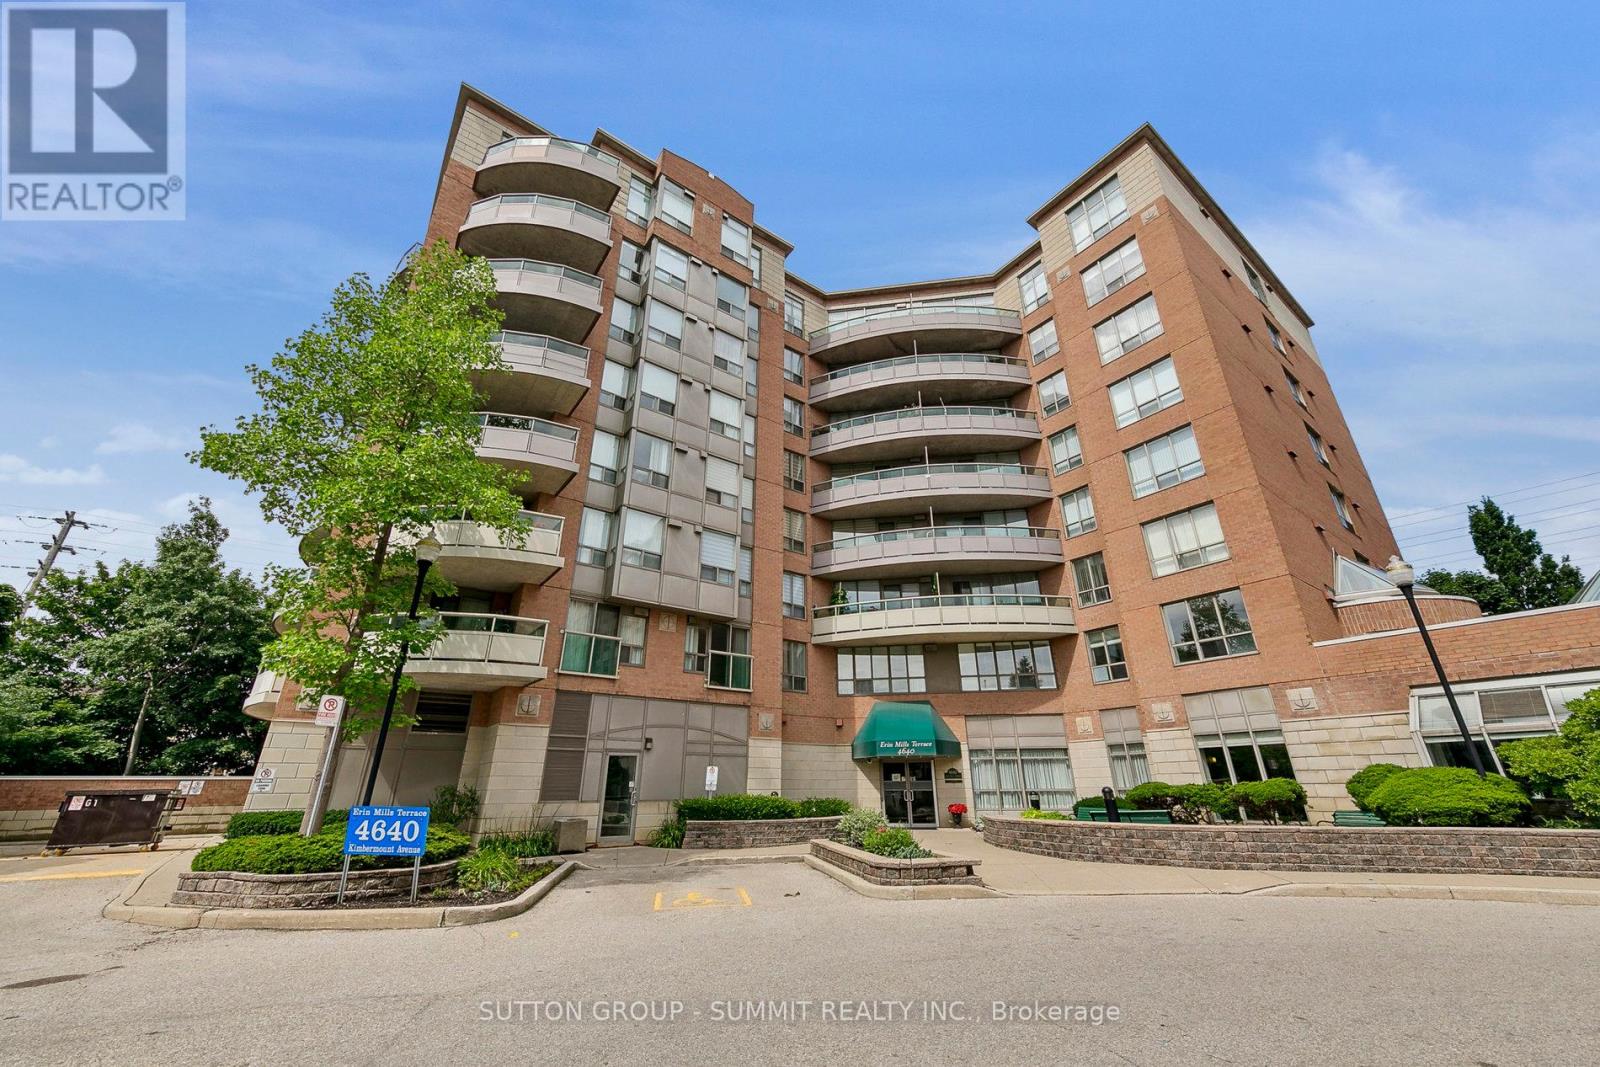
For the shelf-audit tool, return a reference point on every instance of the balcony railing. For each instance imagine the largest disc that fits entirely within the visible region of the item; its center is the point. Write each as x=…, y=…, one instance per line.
x=586, y=653
x=944, y=603
x=500, y=148
x=560, y=203
x=998, y=314
x=922, y=365
x=933, y=533
x=497, y=642
x=494, y=420
x=728, y=670
x=555, y=270
x=890, y=418
x=929, y=470
x=554, y=345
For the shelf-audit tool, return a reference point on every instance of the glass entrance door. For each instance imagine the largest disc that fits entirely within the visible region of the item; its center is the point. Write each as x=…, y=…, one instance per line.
x=908, y=793
x=617, y=806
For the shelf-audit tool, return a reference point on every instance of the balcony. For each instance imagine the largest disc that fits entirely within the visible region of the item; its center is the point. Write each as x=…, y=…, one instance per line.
x=545, y=453
x=474, y=556
x=264, y=695
x=542, y=375
x=905, y=331
x=953, y=377
x=535, y=226
x=944, y=619
x=946, y=549
x=481, y=652
x=935, y=430
x=550, y=165
x=546, y=298
x=970, y=486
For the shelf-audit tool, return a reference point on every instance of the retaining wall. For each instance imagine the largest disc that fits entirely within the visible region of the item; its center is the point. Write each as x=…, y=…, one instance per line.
x=755, y=833
x=881, y=870
x=237, y=889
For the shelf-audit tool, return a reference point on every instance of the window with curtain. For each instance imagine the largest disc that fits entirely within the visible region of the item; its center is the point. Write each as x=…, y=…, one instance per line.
x=727, y=351
x=658, y=388
x=1035, y=291
x=1125, y=745
x=732, y=296
x=794, y=595
x=1008, y=779
x=1112, y=271
x=727, y=415
x=1185, y=540
x=794, y=530
x=794, y=417
x=1053, y=393
x=596, y=529
x=794, y=366
x=1145, y=392
x=794, y=471
x=641, y=199
x=652, y=460
x=722, y=482
x=1077, y=511
x=671, y=266
x=794, y=314
x=616, y=386
x=677, y=205
x=643, y=539
x=719, y=557
x=625, y=319
x=1164, y=462
x=1128, y=329
x=1089, y=575
x=735, y=240
x=1042, y=341
x=605, y=458
x=1096, y=214
x=1066, y=452
x=664, y=325
x=746, y=570
x=794, y=666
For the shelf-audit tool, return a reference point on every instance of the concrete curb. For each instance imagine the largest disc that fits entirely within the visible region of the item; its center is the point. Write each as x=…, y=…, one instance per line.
x=182, y=918
x=712, y=861
x=900, y=892
x=1508, y=894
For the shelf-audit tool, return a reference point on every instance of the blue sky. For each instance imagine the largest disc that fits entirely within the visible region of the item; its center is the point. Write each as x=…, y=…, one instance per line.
x=1425, y=178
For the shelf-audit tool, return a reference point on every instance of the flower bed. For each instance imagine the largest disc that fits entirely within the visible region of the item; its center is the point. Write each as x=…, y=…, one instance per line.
x=881, y=870
x=238, y=889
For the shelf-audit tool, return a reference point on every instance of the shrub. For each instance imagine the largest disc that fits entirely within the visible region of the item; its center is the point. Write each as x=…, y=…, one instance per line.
x=856, y=824
x=1449, y=796
x=523, y=843
x=1190, y=802
x=738, y=806
x=1364, y=781
x=1276, y=799
x=293, y=854
x=821, y=807
x=262, y=823
x=1567, y=765
x=895, y=844
x=453, y=806
x=492, y=871
x=1081, y=809
x=668, y=835
x=1035, y=813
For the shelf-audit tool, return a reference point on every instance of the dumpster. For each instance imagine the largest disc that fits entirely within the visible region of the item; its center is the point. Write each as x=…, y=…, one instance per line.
x=112, y=817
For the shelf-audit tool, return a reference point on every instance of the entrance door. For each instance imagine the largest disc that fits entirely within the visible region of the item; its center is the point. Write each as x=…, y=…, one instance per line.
x=621, y=795
x=908, y=793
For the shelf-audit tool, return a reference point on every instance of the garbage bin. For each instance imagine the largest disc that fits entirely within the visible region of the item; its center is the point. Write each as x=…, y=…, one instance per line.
x=572, y=835
x=112, y=817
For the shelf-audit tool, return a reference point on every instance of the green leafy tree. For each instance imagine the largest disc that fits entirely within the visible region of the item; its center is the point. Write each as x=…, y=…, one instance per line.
x=44, y=731
x=367, y=435
x=10, y=614
x=1520, y=573
x=1567, y=764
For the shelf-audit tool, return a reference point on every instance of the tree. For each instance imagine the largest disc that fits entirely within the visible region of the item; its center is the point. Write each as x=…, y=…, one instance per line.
x=10, y=613
x=366, y=436
x=1566, y=765
x=1521, y=574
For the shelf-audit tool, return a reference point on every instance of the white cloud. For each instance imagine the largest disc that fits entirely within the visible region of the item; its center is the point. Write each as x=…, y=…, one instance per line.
x=13, y=468
x=138, y=437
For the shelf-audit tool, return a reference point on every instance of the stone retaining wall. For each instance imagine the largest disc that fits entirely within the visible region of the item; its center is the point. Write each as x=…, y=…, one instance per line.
x=1385, y=849
x=881, y=870
x=755, y=833
x=29, y=805
x=237, y=889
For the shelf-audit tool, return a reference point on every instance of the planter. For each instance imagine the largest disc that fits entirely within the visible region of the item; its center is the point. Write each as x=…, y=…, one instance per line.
x=881, y=870
x=240, y=889
x=755, y=833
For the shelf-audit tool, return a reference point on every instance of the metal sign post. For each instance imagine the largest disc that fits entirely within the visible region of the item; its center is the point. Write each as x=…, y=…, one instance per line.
x=330, y=712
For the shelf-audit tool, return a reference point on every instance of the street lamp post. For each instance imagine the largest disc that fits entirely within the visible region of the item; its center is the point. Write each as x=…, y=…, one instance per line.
x=427, y=550
x=1404, y=576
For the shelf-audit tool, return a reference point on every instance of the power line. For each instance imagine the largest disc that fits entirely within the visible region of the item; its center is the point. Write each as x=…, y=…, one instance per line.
x=1411, y=518
x=1434, y=537
x=57, y=545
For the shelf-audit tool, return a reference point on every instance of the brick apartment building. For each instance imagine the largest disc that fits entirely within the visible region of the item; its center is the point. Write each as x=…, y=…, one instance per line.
x=1092, y=518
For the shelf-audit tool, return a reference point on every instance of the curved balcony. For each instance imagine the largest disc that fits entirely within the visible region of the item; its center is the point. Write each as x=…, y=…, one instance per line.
x=264, y=695
x=972, y=486
x=946, y=549
x=542, y=376
x=473, y=555
x=545, y=453
x=479, y=652
x=546, y=298
x=903, y=331
x=535, y=226
x=954, y=377
x=550, y=165
x=944, y=619
x=939, y=430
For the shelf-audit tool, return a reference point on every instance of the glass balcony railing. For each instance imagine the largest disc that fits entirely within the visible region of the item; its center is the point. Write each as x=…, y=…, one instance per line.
x=539, y=340
x=928, y=470
x=728, y=670
x=476, y=623
x=585, y=653
x=931, y=364
x=958, y=600
x=500, y=148
x=933, y=533
x=537, y=266
x=889, y=418
x=497, y=421
x=998, y=314
x=560, y=203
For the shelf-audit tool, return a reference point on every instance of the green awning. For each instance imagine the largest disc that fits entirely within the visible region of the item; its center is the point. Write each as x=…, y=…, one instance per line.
x=904, y=729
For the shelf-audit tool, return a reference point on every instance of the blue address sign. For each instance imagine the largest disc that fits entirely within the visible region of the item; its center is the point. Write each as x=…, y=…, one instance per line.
x=386, y=830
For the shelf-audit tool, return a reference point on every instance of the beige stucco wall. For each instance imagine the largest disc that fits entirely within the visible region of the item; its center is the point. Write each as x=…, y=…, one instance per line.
x=1327, y=751
x=764, y=773
x=293, y=750
x=1172, y=756
x=1091, y=766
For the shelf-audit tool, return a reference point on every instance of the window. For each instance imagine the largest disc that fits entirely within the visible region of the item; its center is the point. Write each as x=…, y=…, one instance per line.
x=625, y=319
x=1065, y=450
x=747, y=500
x=1341, y=508
x=1145, y=392
x=1513, y=709
x=671, y=267
x=988, y=667
x=1077, y=511
x=732, y=297
x=794, y=471
x=719, y=556
x=719, y=651
x=735, y=240
x=1034, y=290
x=1276, y=338
x=677, y=205
x=640, y=199
x=652, y=460
x=794, y=595
x=630, y=263
x=1128, y=329
x=1125, y=744
x=1237, y=735
x=755, y=264
x=1095, y=215
x=1318, y=449
x=664, y=325
x=746, y=572
x=1294, y=388
x=882, y=669
x=596, y=528
x=643, y=536
x=794, y=530
x=794, y=418
x=1185, y=540
x=1042, y=341
x=727, y=415
x=1111, y=272
x=794, y=314
x=1208, y=627
x=1164, y=462
x=631, y=629
x=794, y=666
x=749, y=436
x=1010, y=773
x=1089, y=575
x=1107, y=663
x=1254, y=279
x=605, y=458
x=591, y=642
x=722, y=482
x=1053, y=393
x=658, y=388
x=727, y=352
x=751, y=374
x=794, y=366
x=616, y=386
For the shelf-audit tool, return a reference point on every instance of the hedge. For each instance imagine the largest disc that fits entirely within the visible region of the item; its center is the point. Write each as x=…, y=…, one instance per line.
x=744, y=806
x=893, y=843
x=1188, y=802
x=1449, y=796
x=261, y=823
x=1364, y=781
x=293, y=854
x=1276, y=799
x=1035, y=813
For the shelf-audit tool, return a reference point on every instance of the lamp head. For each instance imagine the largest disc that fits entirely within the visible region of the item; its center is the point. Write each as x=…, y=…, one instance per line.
x=1401, y=573
x=427, y=549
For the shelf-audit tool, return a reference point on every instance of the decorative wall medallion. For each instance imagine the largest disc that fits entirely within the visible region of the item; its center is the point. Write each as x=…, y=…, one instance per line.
x=528, y=705
x=1303, y=699
x=766, y=721
x=1086, y=724
x=1161, y=711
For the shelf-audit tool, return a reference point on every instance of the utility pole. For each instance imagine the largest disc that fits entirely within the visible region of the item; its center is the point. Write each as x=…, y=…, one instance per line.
x=57, y=545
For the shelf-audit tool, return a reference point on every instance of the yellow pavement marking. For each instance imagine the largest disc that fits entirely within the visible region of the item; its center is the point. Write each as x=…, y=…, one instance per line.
x=72, y=874
x=695, y=899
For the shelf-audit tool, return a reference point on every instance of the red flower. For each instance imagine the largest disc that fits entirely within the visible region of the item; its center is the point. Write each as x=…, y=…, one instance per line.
x=957, y=809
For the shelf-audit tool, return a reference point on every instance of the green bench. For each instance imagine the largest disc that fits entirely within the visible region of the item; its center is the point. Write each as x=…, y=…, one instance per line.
x=1147, y=815
x=1357, y=818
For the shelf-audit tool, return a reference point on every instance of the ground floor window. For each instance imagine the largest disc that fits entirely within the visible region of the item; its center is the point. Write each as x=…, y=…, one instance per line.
x=1494, y=714
x=1243, y=757
x=882, y=669
x=1010, y=779
x=1129, y=765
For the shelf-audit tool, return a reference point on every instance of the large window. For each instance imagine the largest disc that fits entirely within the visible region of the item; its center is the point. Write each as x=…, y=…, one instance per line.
x=1089, y=576
x=719, y=556
x=1077, y=511
x=735, y=240
x=640, y=199
x=1164, y=462
x=1112, y=271
x=677, y=205
x=1053, y=393
x=794, y=666
x=727, y=415
x=1066, y=452
x=664, y=325
x=1185, y=540
x=658, y=388
x=625, y=321
x=643, y=538
x=1107, y=661
x=592, y=642
x=1209, y=627
x=1034, y=289
x=1125, y=745
x=1095, y=215
x=794, y=314
x=794, y=530
x=727, y=352
x=986, y=667
x=1237, y=735
x=1495, y=713
x=605, y=458
x=722, y=482
x=882, y=669
x=652, y=460
x=1145, y=392
x=1018, y=762
x=671, y=266
x=616, y=386
x=1128, y=329
x=596, y=529
x=794, y=366
x=794, y=417
x=794, y=595
x=1042, y=341
x=732, y=297
x=794, y=471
